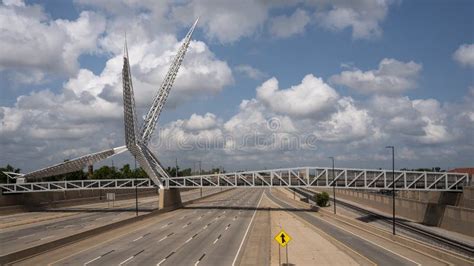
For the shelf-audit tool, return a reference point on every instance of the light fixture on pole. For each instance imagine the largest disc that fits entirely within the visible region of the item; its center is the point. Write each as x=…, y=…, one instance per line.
x=393, y=187
x=333, y=184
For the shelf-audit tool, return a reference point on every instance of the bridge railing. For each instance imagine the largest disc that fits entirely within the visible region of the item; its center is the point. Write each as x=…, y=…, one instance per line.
x=76, y=185
x=325, y=177
x=286, y=177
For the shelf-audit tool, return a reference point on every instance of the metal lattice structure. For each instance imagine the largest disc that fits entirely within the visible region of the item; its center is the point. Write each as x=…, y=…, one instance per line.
x=159, y=99
x=323, y=177
x=367, y=179
x=137, y=144
x=74, y=164
x=134, y=142
x=76, y=185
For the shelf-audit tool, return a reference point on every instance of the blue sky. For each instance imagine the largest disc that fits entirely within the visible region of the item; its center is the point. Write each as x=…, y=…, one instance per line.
x=361, y=56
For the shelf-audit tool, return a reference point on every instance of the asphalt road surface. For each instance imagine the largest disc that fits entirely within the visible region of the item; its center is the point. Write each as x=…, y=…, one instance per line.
x=210, y=232
x=81, y=218
x=370, y=250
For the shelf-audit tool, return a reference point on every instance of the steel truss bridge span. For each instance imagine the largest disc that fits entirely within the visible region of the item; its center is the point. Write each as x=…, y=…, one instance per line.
x=369, y=179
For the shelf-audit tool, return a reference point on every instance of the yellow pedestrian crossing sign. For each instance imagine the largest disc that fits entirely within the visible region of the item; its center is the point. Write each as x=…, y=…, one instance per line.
x=282, y=238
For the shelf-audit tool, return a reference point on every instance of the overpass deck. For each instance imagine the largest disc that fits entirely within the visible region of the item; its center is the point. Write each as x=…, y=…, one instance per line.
x=370, y=179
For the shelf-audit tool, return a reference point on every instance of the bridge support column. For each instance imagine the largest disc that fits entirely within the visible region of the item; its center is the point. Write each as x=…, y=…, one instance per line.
x=170, y=199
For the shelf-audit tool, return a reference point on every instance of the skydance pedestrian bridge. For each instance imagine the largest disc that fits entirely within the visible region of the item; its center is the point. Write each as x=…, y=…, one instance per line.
x=137, y=139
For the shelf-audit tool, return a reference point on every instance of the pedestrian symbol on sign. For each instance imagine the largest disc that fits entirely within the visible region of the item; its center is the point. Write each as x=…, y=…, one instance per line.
x=282, y=238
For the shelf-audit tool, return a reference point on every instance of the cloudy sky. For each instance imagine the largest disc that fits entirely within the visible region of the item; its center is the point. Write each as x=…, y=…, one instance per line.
x=264, y=83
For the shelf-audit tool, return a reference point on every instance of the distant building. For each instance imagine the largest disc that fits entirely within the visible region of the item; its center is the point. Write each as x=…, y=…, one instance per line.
x=467, y=170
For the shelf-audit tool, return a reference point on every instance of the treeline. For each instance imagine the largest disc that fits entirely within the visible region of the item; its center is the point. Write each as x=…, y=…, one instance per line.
x=434, y=169
x=107, y=172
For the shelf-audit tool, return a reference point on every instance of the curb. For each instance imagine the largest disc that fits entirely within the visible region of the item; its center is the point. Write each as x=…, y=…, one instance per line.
x=424, y=248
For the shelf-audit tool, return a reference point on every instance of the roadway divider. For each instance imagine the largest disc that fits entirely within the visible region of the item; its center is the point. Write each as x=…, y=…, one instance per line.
x=42, y=248
x=424, y=248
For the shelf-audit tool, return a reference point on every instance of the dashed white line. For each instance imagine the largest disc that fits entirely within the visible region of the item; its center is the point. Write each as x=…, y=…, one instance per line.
x=186, y=225
x=99, y=257
x=246, y=232
x=199, y=260
x=166, y=225
x=217, y=239
x=136, y=239
x=161, y=261
x=92, y=260
x=46, y=237
x=125, y=261
x=133, y=256
x=21, y=237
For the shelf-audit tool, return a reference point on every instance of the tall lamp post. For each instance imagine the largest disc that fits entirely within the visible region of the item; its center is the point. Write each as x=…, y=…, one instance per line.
x=393, y=187
x=333, y=185
x=200, y=189
x=136, y=189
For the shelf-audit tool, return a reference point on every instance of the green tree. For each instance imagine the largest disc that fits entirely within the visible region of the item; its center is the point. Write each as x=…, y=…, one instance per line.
x=4, y=177
x=105, y=172
x=321, y=199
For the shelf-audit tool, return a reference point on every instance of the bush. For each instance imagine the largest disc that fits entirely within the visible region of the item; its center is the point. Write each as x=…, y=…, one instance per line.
x=322, y=199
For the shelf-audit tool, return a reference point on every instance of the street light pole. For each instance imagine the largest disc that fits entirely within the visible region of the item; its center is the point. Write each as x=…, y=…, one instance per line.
x=200, y=189
x=176, y=173
x=136, y=189
x=393, y=187
x=333, y=185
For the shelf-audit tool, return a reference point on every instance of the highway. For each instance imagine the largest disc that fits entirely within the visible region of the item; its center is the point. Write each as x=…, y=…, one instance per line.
x=214, y=231
x=209, y=232
x=376, y=249
x=42, y=227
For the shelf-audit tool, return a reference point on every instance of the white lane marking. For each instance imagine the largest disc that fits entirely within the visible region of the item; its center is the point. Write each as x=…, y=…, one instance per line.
x=46, y=237
x=137, y=239
x=125, y=261
x=92, y=260
x=199, y=260
x=186, y=225
x=217, y=239
x=227, y=227
x=161, y=261
x=165, y=237
x=373, y=243
x=21, y=237
x=166, y=225
x=246, y=232
x=187, y=241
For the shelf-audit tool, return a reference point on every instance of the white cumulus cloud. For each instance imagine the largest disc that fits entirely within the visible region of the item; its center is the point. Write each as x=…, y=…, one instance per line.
x=311, y=98
x=464, y=55
x=286, y=26
x=391, y=77
x=32, y=43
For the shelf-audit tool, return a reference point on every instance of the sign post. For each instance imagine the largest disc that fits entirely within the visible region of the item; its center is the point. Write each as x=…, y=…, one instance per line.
x=282, y=238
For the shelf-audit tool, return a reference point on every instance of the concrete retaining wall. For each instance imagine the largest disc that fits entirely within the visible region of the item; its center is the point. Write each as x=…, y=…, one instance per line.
x=457, y=219
x=31, y=201
x=406, y=208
